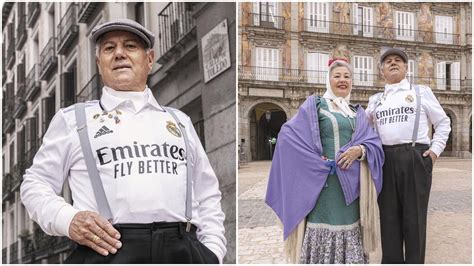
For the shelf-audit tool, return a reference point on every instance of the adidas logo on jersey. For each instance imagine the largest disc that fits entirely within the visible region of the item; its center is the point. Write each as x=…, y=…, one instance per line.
x=102, y=131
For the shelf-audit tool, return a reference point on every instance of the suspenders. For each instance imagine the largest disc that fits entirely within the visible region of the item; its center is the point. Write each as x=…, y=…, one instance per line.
x=97, y=186
x=417, y=115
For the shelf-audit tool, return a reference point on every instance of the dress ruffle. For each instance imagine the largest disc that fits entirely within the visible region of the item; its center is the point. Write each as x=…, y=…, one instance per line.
x=335, y=244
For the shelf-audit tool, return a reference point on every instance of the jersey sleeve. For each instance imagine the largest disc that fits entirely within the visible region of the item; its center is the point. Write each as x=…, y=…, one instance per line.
x=208, y=195
x=43, y=181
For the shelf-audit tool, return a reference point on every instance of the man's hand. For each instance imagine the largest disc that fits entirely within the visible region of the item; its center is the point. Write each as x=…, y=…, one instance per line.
x=345, y=160
x=432, y=154
x=92, y=230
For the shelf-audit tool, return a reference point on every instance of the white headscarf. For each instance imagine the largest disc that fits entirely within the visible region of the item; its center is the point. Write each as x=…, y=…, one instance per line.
x=342, y=103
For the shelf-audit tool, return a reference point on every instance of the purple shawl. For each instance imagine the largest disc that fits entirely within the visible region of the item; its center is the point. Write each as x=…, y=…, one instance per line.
x=298, y=173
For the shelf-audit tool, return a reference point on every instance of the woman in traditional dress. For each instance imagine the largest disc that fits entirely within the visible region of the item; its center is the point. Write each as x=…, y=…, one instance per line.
x=325, y=158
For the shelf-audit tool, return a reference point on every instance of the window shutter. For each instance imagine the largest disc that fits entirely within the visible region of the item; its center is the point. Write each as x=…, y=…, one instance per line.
x=441, y=75
x=256, y=13
x=456, y=76
x=368, y=20
x=355, y=19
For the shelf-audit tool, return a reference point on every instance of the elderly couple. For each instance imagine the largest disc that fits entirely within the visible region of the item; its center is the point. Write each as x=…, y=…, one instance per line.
x=333, y=161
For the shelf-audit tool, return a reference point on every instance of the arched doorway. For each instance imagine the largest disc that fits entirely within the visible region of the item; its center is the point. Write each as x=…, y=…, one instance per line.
x=266, y=120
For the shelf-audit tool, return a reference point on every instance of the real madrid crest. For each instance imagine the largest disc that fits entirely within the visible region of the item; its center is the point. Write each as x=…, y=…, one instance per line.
x=173, y=129
x=409, y=98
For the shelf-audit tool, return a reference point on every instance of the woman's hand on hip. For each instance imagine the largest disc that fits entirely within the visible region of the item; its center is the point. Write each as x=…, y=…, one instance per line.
x=90, y=229
x=346, y=159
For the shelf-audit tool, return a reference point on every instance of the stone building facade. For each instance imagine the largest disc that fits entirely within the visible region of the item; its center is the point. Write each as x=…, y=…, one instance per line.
x=49, y=63
x=284, y=49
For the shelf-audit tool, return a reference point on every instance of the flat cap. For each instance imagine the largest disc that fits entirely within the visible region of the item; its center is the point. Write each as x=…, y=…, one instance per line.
x=394, y=51
x=125, y=25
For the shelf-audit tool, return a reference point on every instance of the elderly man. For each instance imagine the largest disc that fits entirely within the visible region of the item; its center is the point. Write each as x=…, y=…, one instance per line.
x=141, y=183
x=402, y=115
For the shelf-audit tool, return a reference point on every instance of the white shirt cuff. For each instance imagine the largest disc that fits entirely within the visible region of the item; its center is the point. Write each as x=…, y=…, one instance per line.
x=63, y=220
x=437, y=150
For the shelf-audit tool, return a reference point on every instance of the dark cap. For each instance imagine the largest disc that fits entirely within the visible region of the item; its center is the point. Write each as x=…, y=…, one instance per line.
x=394, y=51
x=125, y=25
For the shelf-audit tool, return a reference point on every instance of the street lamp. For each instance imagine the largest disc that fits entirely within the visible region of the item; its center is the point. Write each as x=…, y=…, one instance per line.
x=268, y=116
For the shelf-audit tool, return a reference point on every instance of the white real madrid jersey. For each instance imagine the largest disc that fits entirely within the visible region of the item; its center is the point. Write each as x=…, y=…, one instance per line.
x=140, y=154
x=394, y=116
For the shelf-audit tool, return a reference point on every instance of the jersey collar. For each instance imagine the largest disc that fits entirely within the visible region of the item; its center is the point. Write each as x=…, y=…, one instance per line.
x=110, y=102
x=392, y=88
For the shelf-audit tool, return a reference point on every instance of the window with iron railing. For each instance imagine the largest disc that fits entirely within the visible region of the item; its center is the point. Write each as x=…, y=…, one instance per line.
x=317, y=15
x=405, y=23
x=87, y=10
x=266, y=14
x=11, y=46
x=4, y=69
x=363, y=70
x=34, y=10
x=20, y=105
x=316, y=64
x=444, y=29
x=174, y=22
x=48, y=59
x=21, y=27
x=8, y=122
x=32, y=83
x=31, y=128
x=92, y=90
x=268, y=59
x=68, y=28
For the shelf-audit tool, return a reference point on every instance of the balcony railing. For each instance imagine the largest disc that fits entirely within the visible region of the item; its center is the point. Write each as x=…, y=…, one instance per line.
x=20, y=104
x=31, y=152
x=359, y=79
x=267, y=21
x=48, y=59
x=33, y=85
x=17, y=175
x=21, y=32
x=86, y=10
x=34, y=10
x=92, y=90
x=68, y=29
x=27, y=249
x=6, y=186
x=8, y=122
x=174, y=23
x=387, y=33
x=61, y=244
x=14, y=253
x=43, y=243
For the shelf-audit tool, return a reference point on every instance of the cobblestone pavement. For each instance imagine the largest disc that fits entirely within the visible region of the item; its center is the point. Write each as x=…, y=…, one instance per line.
x=449, y=216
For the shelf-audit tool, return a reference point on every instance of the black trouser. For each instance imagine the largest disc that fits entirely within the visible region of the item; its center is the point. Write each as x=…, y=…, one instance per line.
x=403, y=203
x=150, y=243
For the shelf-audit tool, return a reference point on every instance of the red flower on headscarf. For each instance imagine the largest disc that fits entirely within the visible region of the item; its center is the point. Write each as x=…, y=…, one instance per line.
x=336, y=59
